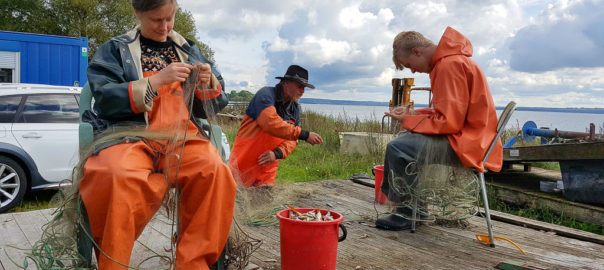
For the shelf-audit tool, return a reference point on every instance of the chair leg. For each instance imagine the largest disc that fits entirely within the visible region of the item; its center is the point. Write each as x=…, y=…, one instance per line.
x=84, y=242
x=414, y=215
x=220, y=264
x=486, y=208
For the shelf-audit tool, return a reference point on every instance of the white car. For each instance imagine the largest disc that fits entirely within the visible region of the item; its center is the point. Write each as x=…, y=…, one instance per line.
x=38, y=138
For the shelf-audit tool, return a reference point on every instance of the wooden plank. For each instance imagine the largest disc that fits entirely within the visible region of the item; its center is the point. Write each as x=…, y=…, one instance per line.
x=555, y=152
x=432, y=241
x=48, y=213
x=417, y=248
x=534, y=241
x=162, y=224
x=560, y=230
x=364, y=181
x=14, y=243
x=349, y=257
x=150, y=249
x=431, y=247
x=483, y=228
x=542, y=248
x=29, y=223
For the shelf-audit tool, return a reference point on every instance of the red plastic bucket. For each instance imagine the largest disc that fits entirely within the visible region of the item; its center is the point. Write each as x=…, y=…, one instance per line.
x=378, y=171
x=309, y=244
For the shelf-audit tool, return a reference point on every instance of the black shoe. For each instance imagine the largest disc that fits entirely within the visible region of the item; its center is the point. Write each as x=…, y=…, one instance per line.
x=393, y=223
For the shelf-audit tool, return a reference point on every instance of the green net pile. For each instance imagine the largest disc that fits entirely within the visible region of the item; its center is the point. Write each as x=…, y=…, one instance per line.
x=437, y=185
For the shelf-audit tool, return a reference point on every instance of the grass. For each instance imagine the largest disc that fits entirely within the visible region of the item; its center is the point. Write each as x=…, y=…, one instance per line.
x=36, y=201
x=324, y=161
x=554, y=166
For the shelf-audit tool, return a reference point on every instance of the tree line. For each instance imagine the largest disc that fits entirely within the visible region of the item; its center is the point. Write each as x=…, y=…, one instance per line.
x=98, y=20
x=242, y=95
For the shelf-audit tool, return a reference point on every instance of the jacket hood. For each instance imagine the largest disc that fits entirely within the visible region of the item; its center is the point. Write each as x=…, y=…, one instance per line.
x=452, y=43
x=132, y=35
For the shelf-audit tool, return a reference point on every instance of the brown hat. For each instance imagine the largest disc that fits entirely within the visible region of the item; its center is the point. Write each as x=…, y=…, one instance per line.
x=298, y=74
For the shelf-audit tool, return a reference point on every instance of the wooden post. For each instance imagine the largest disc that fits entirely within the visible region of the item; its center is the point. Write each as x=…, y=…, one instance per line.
x=396, y=84
x=408, y=82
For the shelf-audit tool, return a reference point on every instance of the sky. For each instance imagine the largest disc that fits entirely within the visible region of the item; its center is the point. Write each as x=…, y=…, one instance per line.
x=539, y=53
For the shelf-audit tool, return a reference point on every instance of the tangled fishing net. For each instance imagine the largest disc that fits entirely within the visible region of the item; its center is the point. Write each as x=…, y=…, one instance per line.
x=58, y=246
x=437, y=184
x=257, y=206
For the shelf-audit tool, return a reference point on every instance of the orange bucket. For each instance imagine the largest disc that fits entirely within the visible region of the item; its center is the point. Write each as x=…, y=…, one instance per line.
x=309, y=244
x=378, y=171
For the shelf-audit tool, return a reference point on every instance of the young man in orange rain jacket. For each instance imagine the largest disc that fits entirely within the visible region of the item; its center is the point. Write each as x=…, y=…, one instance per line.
x=270, y=130
x=463, y=111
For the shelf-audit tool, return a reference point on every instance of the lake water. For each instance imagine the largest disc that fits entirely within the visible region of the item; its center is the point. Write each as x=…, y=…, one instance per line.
x=562, y=121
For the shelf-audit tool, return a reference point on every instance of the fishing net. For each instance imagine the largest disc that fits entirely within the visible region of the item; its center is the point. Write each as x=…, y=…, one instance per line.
x=257, y=206
x=58, y=246
x=436, y=184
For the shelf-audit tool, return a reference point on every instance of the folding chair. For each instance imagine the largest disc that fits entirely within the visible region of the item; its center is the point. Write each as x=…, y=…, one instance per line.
x=501, y=123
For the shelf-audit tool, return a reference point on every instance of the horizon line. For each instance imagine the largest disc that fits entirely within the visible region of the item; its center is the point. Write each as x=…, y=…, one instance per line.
x=425, y=105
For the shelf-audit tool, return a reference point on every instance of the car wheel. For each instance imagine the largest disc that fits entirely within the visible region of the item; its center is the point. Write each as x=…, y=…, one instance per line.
x=13, y=183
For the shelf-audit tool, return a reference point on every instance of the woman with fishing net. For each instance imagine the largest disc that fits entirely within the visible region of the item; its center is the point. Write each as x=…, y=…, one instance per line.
x=149, y=86
x=430, y=165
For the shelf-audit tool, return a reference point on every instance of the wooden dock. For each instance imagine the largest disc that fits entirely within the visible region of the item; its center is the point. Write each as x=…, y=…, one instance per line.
x=431, y=247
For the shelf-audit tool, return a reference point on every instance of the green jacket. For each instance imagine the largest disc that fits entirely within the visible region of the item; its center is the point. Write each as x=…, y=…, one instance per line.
x=116, y=79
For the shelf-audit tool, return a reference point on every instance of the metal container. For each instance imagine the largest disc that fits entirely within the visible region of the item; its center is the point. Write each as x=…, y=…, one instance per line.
x=43, y=59
x=364, y=142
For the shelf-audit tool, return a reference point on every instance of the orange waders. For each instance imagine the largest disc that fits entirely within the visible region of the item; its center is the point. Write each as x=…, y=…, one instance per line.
x=244, y=159
x=124, y=185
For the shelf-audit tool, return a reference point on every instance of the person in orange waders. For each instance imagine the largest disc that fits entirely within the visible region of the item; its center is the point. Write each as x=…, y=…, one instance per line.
x=136, y=81
x=270, y=130
x=464, y=112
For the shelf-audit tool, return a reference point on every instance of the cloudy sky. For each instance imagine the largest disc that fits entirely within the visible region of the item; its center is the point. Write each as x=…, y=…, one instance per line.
x=544, y=53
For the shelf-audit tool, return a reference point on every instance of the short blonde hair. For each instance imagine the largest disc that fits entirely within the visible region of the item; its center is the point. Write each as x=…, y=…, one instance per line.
x=404, y=42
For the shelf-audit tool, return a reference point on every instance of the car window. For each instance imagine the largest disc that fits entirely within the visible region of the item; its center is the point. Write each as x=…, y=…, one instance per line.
x=8, y=107
x=55, y=108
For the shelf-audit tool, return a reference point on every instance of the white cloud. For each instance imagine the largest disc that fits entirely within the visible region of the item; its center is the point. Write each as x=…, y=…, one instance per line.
x=352, y=18
x=379, y=51
x=279, y=44
x=346, y=45
x=566, y=34
x=323, y=51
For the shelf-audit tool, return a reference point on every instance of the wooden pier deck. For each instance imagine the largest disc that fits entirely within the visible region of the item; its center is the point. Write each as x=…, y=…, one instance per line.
x=431, y=247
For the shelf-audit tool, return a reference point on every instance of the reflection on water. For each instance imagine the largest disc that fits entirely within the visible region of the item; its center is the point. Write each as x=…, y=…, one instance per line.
x=562, y=121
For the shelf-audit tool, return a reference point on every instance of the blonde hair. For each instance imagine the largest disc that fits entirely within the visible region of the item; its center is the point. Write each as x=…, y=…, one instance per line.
x=404, y=42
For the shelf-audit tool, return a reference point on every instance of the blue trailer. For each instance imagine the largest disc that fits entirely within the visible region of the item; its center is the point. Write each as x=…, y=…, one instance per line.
x=43, y=59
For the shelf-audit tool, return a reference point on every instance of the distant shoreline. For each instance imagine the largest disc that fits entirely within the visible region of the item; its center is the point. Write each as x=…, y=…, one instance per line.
x=385, y=104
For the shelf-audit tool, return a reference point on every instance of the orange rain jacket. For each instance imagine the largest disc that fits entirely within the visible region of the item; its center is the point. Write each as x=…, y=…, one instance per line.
x=463, y=106
x=269, y=124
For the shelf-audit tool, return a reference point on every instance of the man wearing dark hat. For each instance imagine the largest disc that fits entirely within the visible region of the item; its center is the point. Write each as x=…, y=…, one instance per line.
x=270, y=130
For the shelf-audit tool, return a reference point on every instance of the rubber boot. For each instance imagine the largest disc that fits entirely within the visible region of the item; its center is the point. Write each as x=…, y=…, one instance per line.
x=395, y=222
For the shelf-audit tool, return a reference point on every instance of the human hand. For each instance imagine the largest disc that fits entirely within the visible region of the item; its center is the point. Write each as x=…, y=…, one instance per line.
x=266, y=158
x=174, y=72
x=398, y=113
x=204, y=75
x=314, y=138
